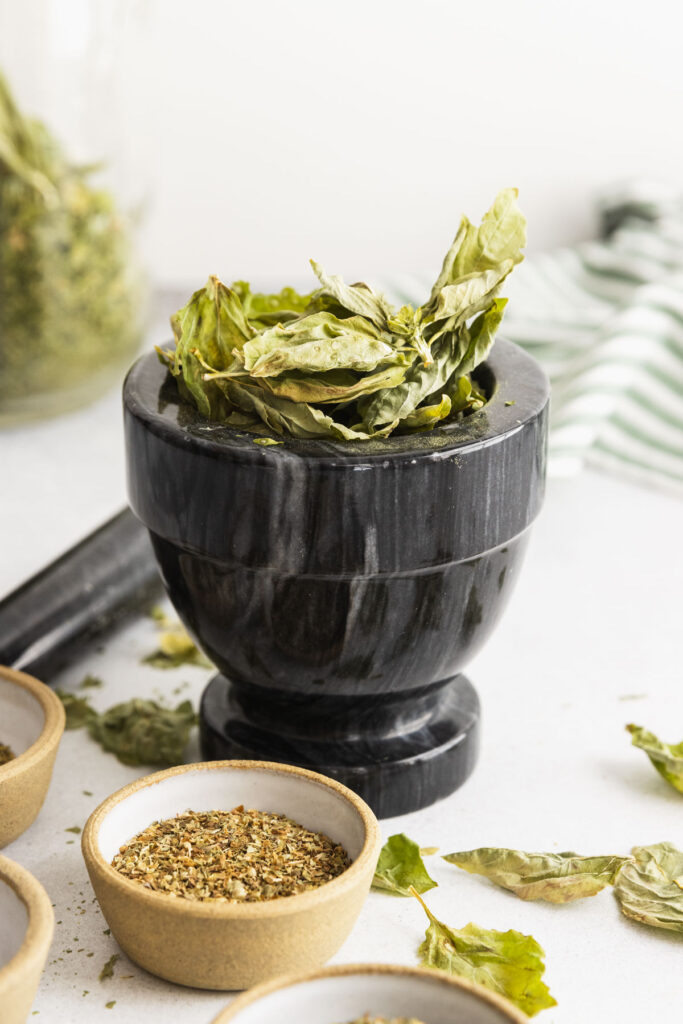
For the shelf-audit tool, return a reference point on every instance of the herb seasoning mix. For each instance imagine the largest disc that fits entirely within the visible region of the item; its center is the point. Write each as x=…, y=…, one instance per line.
x=230, y=856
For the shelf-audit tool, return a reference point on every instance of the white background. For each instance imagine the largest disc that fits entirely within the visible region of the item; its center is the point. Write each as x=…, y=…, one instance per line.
x=262, y=133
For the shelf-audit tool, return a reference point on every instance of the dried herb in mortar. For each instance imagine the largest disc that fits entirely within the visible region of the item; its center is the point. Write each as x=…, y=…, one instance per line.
x=6, y=753
x=230, y=856
x=342, y=363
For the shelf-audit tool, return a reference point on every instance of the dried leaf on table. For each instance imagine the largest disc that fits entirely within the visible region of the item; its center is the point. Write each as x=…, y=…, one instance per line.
x=555, y=877
x=143, y=732
x=508, y=963
x=649, y=887
x=667, y=758
x=400, y=868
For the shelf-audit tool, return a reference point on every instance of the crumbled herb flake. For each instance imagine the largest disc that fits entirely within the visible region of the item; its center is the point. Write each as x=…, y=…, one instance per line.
x=6, y=754
x=76, y=829
x=230, y=856
x=90, y=682
x=108, y=969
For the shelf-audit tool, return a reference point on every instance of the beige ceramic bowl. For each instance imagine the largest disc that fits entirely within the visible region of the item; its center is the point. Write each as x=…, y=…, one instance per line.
x=231, y=945
x=341, y=994
x=31, y=723
x=26, y=926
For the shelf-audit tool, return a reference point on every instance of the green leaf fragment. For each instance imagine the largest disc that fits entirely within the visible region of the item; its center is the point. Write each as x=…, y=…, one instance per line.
x=78, y=710
x=508, y=963
x=176, y=647
x=90, y=682
x=136, y=731
x=400, y=868
x=649, y=887
x=266, y=442
x=555, y=877
x=318, y=343
x=108, y=969
x=667, y=758
x=143, y=732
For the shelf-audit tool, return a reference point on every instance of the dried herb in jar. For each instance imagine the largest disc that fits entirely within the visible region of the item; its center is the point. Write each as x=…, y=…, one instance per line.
x=6, y=753
x=69, y=300
x=230, y=856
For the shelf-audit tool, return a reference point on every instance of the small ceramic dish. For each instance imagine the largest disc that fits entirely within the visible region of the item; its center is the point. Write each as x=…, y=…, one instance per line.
x=27, y=923
x=231, y=945
x=31, y=724
x=338, y=995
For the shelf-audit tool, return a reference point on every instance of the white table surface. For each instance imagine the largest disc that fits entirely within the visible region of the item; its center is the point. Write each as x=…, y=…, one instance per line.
x=589, y=642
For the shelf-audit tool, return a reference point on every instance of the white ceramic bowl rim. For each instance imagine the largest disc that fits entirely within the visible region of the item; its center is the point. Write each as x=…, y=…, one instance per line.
x=269, y=908
x=248, y=999
x=40, y=918
x=55, y=719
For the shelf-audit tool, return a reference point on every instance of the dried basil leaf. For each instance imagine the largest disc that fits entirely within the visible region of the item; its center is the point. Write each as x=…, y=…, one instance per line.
x=318, y=343
x=263, y=310
x=421, y=381
x=458, y=302
x=207, y=331
x=400, y=868
x=427, y=416
x=143, y=732
x=335, y=386
x=555, y=877
x=499, y=239
x=477, y=340
x=508, y=963
x=649, y=888
x=298, y=419
x=79, y=711
x=356, y=298
x=667, y=758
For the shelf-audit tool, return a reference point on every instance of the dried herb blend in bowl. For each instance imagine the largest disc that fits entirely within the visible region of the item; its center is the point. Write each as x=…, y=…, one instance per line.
x=370, y=1019
x=6, y=753
x=237, y=856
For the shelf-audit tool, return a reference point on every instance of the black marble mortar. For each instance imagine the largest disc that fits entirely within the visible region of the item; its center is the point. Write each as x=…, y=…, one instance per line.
x=341, y=587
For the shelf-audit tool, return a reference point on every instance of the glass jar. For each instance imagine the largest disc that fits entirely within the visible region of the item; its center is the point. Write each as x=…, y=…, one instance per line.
x=71, y=309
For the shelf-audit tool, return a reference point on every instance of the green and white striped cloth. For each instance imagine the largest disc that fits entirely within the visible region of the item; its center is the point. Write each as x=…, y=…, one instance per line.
x=606, y=321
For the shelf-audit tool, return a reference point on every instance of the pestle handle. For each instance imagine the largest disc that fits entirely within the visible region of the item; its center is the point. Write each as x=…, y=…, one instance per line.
x=47, y=621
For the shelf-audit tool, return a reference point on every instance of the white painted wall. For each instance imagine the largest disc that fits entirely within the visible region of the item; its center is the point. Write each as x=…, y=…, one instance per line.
x=357, y=131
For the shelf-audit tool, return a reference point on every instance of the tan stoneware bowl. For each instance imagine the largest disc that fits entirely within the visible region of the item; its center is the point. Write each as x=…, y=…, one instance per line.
x=336, y=995
x=31, y=724
x=231, y=945
x=26, y=926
